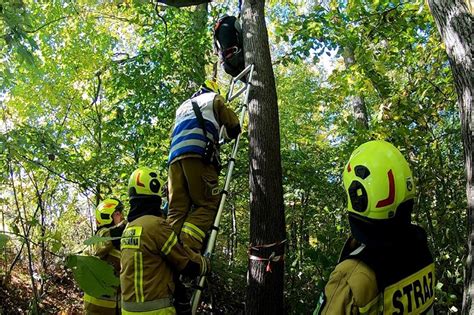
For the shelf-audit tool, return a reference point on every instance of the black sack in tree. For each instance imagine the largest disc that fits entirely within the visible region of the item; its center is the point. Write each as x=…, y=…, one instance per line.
x=228, y=43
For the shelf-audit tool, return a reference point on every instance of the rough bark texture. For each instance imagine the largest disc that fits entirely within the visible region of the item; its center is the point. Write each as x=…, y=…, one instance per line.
x=267, y=220
x=357, y=101
x=454, y=21
x=200, y=26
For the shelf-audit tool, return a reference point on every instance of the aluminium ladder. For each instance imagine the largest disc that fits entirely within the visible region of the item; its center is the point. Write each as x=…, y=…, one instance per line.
x=196, y=298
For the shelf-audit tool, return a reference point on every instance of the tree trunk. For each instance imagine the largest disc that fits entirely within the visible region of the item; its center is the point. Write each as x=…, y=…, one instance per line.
x=25, y=231
x=5, y=262
x=233, y=235
x=454, y=21
x=42, y=245
x=267, y=220
x=357, y=102
x=200, y=28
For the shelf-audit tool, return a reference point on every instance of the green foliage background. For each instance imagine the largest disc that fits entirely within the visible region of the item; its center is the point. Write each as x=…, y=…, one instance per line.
x=88, y=91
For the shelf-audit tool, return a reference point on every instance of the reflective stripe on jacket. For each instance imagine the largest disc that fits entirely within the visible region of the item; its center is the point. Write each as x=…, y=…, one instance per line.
x=188, y=136
x=411, y=295
x=397, y=278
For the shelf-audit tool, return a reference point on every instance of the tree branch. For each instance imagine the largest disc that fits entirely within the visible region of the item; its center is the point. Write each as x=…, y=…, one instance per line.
x=86, y=181
x=162, y=18
x=48, y=23
x=26, y=238
x=97, y=91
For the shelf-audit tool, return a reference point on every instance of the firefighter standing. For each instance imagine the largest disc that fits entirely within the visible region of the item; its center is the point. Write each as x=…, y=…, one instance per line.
x=385, y=266
x=110, y=223
x=151, y=251
x=193, y=177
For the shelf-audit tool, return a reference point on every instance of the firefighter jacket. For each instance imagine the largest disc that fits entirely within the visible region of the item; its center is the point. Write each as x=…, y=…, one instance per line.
x=398, y=279
x=150, y=253
x=110, y=252
x=187, y=138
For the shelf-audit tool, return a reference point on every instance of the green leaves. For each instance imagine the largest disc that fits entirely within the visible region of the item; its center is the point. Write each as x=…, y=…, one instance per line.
x=94, y=276
x=52, y=129
x=98, y=239
x=3, y=240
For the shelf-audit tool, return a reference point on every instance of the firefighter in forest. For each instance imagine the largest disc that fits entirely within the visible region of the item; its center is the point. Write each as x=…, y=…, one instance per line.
x=110, y=223
x=194, y=167
x=385, y=266
x=194, y=163
x=151, y=251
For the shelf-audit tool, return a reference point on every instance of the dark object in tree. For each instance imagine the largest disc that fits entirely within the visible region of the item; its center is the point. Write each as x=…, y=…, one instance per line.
x=454, y=21
x=267, y=219
x=183, y=3
x=228, y=41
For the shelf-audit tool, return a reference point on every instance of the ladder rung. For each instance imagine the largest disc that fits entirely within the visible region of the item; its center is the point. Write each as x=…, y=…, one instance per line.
x=244, y=72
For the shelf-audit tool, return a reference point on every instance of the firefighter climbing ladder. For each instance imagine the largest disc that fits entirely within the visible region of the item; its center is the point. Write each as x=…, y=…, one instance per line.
x=212, y=238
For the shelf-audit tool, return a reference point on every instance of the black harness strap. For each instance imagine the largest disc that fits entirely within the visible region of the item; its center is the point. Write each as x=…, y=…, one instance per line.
x=199, y=117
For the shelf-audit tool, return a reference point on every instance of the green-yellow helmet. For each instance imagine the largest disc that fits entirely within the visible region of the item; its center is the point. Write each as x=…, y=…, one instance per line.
x=105, y=209
x=377, y=179
x=144, y=182
x=212, y=85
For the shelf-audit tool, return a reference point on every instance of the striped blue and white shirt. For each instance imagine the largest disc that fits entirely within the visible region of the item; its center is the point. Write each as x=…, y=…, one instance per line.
x=187, y=136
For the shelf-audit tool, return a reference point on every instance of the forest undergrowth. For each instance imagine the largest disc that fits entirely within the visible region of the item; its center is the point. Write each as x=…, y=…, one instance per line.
x=60, y=294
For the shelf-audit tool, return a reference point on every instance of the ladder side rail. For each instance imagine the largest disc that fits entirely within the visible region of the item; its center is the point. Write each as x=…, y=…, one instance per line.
x=230, y=169
x=196, y=298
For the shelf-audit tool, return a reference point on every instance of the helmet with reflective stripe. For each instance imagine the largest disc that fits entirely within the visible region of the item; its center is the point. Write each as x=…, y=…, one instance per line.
x=377, y=179
x=212, y=86
x=144, y=183
x=105, y=209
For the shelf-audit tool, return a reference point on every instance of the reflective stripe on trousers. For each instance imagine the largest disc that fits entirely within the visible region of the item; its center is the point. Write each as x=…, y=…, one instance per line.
x=100, y=302
x=155, y=307
x=165, y=311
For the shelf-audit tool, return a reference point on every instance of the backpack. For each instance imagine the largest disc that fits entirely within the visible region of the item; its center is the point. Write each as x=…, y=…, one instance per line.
x=228, y=42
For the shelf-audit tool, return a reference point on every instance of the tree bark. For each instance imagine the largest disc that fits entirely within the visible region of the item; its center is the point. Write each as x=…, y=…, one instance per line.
x=454, y=21
x=200, y=27
x=267, y=220
x=25, y=231
x=357, y=101
x=5, y=261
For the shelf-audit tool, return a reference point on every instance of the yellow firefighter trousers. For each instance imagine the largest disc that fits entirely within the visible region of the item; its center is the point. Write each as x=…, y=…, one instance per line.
x=94, y=306
x=193, y=199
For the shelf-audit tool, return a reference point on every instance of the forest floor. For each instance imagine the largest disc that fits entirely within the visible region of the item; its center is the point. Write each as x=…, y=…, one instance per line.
x=62, y=296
